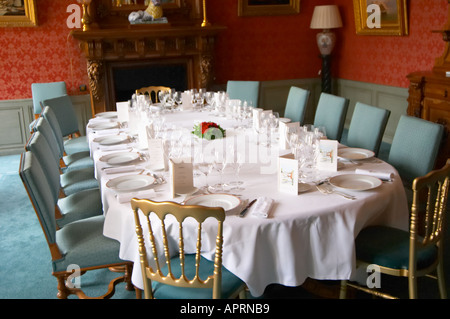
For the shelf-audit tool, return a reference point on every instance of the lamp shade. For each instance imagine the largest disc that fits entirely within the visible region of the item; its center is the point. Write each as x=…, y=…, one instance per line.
x=326, y=17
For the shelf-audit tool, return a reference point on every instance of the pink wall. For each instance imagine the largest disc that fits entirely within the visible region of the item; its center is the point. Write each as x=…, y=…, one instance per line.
x=263, y=48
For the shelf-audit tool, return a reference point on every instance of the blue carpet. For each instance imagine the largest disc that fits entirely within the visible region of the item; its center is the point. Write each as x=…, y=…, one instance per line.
x=25, y=266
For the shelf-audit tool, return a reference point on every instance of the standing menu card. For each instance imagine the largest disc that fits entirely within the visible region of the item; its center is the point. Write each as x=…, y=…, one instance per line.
x=327, y=159
x=122, y=111
x=181, y=177
x=186, y=101
x=288, y=174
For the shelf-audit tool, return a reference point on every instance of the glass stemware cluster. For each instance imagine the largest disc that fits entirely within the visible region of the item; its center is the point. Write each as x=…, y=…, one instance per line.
x=304, y=144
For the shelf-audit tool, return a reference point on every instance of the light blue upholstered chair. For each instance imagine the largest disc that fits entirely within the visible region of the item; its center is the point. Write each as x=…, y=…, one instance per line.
x=415, y=147
x=65, y=114
x=244, y=91
x=367, y=127
x=330, y=113
x=218, y=282
x=78, y=243
x=44, y=91
x=412, y=253
x=75, y=161
x=71, y=182
x=296, y=104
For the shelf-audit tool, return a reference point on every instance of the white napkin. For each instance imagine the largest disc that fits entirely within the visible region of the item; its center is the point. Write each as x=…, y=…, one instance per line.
x=126, y=197
x=121, y=169
x=117, y=147
x=261, y=208
x=381, y=175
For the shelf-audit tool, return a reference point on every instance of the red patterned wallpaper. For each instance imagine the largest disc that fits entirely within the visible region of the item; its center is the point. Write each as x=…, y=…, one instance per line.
x=263, y=48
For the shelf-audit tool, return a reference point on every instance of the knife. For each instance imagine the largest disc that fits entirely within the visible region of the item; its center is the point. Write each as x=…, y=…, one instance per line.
x=244, y=211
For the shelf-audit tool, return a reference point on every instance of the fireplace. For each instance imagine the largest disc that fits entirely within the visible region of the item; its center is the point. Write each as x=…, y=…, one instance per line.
x=127, y=76
x=122, y=57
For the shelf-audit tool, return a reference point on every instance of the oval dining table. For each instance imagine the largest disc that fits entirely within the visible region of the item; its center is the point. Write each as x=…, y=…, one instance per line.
x=308, y=235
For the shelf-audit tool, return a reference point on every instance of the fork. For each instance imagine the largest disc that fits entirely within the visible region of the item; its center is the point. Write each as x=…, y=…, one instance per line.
x=325, y=189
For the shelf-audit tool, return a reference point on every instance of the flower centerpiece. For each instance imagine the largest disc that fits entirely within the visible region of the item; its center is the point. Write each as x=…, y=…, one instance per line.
x=209, y=131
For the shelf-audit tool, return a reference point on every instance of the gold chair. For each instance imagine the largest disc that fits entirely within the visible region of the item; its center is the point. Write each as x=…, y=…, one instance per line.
x=185, y=276
x=153, y=92
x=418, y=252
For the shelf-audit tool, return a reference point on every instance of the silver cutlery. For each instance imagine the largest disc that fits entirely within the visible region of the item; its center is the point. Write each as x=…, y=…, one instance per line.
x=324, y=188
x=244, y=211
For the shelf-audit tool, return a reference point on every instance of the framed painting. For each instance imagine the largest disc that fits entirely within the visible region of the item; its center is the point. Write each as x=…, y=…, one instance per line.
x=18, y=13
x=381, y=17
x=268, y=7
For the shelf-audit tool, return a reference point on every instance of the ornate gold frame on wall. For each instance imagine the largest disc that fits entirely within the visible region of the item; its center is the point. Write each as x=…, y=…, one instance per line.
x=247, y=9
x=28, y=19
x=398, y=27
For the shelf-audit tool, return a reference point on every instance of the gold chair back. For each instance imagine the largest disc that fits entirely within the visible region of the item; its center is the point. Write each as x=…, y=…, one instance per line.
x=180, y=212
x=152, y=92
x=430, y=193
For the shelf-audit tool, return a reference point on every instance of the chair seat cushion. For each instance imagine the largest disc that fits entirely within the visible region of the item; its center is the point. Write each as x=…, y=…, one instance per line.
x=78, y=180
x=389, y=247
x=82, y=243
x=76, y=145
x=230, y=283
x=78, y=160
x=80, y=205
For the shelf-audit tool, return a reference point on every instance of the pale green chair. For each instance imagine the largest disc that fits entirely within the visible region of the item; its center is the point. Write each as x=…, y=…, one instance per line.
x=182, y=275
x=331, y=113
x=80, y=243
x=67, y=119
x=76, y=162
x=43, y=91
x=413, y=253
x=367, y=127
x=296, y=104
x=244, y=91
x=72, y=181
x=415, y=147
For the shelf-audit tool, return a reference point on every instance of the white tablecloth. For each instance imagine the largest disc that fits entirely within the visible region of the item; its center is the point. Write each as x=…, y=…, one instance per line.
x=309, y=235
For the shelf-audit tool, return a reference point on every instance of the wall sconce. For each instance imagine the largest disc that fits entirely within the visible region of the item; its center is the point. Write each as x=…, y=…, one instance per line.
x=326, y=17
x=86, y=19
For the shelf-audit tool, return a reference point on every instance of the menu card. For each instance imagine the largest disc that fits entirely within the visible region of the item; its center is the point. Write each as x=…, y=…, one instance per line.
x=156, y=153
x=288, y=174
x=181, y=177
x=122, y=111
x=327, y=159
x=186, y=100
x=283, y=129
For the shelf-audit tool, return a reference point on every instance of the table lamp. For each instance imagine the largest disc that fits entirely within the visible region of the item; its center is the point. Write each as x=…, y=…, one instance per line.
x=326, y=17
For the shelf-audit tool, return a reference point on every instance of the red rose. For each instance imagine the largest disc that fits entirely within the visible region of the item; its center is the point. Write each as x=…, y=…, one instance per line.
x=207, y=125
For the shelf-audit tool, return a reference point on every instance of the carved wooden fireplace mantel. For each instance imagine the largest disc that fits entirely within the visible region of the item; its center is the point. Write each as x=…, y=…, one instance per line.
x=107, y=45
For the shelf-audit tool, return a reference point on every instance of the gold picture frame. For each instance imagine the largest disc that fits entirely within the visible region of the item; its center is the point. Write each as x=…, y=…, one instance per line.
x=267, y=7
x=18, y=13
x=393, y=19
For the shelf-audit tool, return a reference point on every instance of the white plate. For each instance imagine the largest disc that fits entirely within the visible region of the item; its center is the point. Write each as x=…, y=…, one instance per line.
x=120, y=158
x=284, y=120
x=107, y=115
x=227, y=202
x=355, y=153
x=111, y=139
x=128, y=183
x=355, y=182
x=187, y=192
x=104, y=125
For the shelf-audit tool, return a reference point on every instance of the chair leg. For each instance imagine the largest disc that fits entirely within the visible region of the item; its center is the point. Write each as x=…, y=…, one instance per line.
x=63, y=291
x=412, y=283
x=441, y=281
x=343, y=291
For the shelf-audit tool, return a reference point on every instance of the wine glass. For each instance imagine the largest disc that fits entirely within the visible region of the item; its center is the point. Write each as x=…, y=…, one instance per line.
x=237, y=164
x=220, y=163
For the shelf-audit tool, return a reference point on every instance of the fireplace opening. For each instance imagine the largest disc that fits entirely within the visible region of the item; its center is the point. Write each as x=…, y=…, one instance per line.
x=128, y=77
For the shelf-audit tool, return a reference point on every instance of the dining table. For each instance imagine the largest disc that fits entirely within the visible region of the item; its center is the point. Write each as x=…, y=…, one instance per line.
x=310, y=234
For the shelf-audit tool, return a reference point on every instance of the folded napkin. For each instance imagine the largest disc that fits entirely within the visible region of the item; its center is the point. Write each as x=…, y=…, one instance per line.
x=121, y=169
x=384, y=176
x=126, y=197
x=261, y=208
